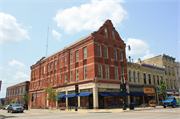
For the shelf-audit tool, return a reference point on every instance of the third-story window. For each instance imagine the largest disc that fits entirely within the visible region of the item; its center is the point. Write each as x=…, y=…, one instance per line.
x=138, y=77
x=55, y=65
x=157, y=80
x=77, y=56
x=61, y=62
x=71, y=76
x=107, y=72
x=113, y=35
x=65, y=60
x=165, y=69
x=77, y=75
x=71, y=58
x=149, y=78
x=99, y=50
x=19, y=91
x=115, y=54
x=85, y=72
x=106, y=32
x=169, y=70
x=54, y=80
x=51, y=65
x=99, y=71
x=172, y=71
x=116, y=73
x=130, y=76
x=134, y=76
x=85, y=53
x=120, y=56
x=144, y=77
x=105, y=52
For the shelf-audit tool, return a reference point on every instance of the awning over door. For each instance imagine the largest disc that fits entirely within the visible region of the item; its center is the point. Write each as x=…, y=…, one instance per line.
x=84, y=94
x=110, y=94
x=138, y=94
x=70, y=95
x=60, y=96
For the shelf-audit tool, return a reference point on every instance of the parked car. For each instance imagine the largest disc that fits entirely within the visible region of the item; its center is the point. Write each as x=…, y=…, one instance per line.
x=15, y=108
x=171, y=101
x=25, y=106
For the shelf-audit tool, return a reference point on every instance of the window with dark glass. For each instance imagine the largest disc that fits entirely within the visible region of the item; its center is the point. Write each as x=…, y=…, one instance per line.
x=105, y=52
x=130, y=76
x=138, y=77
x=144, y=77
x=149, y=78
x=134, y=76
x=99, y=50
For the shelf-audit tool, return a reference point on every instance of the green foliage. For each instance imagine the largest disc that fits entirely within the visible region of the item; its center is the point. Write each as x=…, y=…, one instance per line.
x=25, y=97
x=52, y=94
x=162, y=89
x=13, y=101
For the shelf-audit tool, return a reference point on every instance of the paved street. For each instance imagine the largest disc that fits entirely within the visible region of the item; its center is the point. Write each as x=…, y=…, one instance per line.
x=158, y=113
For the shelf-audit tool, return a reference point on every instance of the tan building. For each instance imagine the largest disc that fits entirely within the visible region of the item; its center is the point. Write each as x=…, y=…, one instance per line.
x=169, y=75
x=177, y=70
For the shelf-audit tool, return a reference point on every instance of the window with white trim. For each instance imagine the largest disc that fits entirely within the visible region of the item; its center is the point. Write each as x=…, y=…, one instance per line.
x=116, y=73
x=134, y=76
x=77, y=75
x=71, y=76
x=85, y=53
x=71, y=58
x=85, y=72
x=138, y=77
x=115, y=54
x=105, y=52
x=51, y=65
x=77, y=56
x=65, y=60
x=107, y=72
x=130, y=76
x=55, y=65
x=99, y=71
x=106, y=32
x=99, y=50
x=120, y=56
x=54, y=80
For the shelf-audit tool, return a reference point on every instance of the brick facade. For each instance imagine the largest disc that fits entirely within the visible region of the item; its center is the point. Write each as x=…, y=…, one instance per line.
x=98, y=54
x=16, y=92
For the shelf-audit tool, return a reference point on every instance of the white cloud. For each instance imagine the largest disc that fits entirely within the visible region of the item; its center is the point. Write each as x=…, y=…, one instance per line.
x=56, y=35
x=91, y=15
x=10, y=31
x=20, y=76
x=148, y=55
x=138, y=46
x=1, y=68
x=17, y=64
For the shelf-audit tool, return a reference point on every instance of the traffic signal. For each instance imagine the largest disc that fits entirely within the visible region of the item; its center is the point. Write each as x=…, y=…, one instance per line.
x=121, y=88
x=124, y=88
x=76, y=89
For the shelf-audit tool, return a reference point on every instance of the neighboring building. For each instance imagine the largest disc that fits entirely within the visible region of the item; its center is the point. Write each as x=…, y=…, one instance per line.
x=170, y=74
x=16, y=92
x=92, y=62
x=177, y=70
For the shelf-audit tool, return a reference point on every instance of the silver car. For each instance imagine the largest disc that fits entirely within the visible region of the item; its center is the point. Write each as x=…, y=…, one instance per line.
x=15, y=108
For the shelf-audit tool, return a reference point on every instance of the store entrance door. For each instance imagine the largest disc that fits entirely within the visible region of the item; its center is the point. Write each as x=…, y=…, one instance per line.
x=91, y=101
x=101, y=102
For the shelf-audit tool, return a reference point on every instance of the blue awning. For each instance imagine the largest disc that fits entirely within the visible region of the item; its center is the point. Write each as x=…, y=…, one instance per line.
x=84, y=94
x=110, y=94
x=138, y=94
x=126, y=94
x=70, y=95
x=60, y=96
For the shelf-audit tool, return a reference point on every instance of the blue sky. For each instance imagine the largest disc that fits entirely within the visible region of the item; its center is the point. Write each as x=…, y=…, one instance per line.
x=150, y=27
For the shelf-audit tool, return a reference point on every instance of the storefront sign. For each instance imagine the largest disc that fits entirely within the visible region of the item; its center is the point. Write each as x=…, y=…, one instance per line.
x=149, y=90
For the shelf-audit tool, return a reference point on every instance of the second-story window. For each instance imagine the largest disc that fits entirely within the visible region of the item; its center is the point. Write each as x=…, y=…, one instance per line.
x=149, y=78
x=120, y=56
x=134, y=76
x=99, y=71
x=61, y=62
x=113, y=35
x=107, y=72
x=106, y=32
x=65, y=60
x=54, y=80
x=169, y=70
x=85, y=72
x=85, y=53
x=138, y=77
x=167, y=83
x=116, y=73
x=105, y=52
x=77, y=75
x=154, y=79
x=55, y=65
x=115, y=54
x=157, y=80
x=172, y=71
x=144, y=77
x=71, y=58
x=99, y=50
x=71, y=76
x=77, y=56
x=130, y=76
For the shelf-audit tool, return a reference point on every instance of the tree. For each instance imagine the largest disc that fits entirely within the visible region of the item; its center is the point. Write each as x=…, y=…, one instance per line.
x=5, y=103
x=13, y=101
x=162, y=89
x=25, y=97
x=52, y=95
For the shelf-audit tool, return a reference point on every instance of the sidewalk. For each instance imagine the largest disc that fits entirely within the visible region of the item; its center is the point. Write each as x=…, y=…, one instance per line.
x=116, y=110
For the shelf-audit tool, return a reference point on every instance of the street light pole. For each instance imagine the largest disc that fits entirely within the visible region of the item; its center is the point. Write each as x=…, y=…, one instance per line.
x=122, y=77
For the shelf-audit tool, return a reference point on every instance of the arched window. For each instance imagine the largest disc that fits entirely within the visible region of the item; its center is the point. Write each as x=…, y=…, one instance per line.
x=134, y=76
x=138, y=74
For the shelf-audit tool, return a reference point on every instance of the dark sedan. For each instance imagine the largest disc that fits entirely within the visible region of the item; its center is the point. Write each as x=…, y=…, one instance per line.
x=15, y=108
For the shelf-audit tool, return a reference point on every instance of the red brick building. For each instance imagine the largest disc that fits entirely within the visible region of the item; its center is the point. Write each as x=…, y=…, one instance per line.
x=92, y=62
x=16, y=92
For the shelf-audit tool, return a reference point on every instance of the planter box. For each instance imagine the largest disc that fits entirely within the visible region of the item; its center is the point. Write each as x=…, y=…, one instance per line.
x=62, y=108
